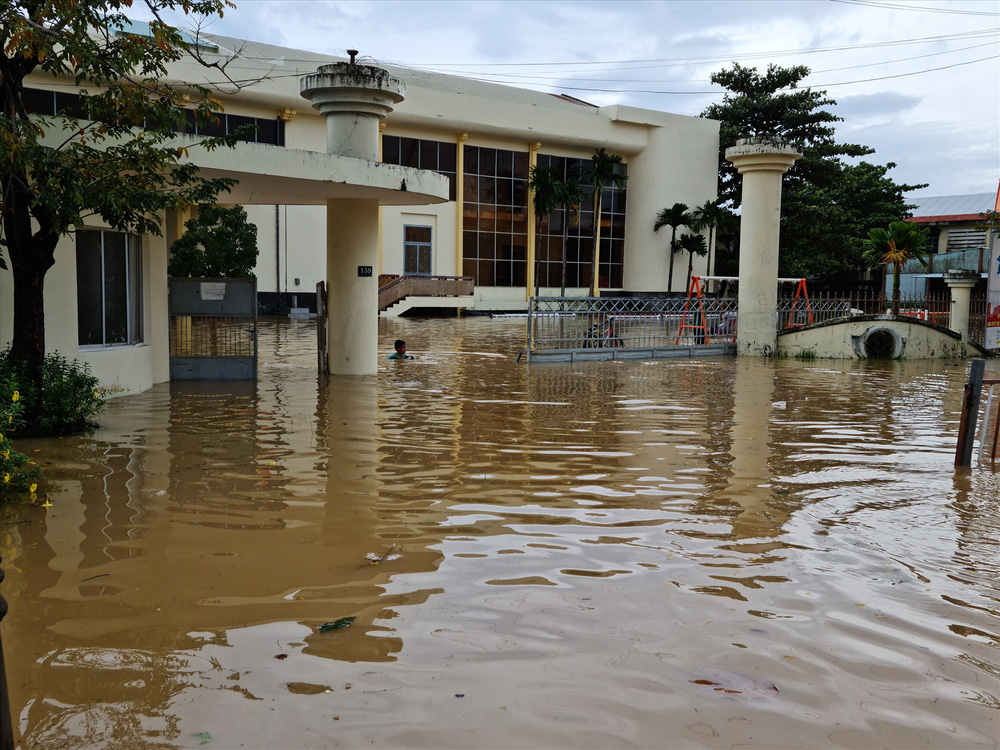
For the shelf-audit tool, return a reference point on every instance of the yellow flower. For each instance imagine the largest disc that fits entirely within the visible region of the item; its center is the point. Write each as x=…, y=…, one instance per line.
x=16, y=396
x=96, y=394
x=6, y=478
x=5, y=454
x=33, y=487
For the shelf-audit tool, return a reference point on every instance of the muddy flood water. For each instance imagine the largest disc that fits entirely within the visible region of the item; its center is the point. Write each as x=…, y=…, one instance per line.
x=672, y=554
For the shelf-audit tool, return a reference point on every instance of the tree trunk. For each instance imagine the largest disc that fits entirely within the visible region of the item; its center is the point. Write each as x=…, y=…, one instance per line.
x=31, y=256
x=538, y=253
x=687, y=285
x=670, y=251
x=562, y=292
x=708, y=262
x=895, y=290
x=595, y=255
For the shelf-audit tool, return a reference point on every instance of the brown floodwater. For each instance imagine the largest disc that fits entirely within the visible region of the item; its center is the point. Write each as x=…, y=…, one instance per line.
x=712, y=553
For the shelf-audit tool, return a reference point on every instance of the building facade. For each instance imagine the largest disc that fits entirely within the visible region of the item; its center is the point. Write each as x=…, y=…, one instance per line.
x=106, y=297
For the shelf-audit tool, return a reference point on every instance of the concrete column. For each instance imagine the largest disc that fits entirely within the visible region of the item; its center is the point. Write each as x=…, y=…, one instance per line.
x=761, y=162
x=352, y=245
x=960, y=282
x=354, y=98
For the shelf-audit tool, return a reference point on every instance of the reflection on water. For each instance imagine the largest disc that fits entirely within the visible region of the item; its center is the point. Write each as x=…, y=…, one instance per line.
x=703, y=553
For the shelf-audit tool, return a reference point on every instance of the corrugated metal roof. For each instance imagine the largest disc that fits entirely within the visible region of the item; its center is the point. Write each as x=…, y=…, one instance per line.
x=953, y=205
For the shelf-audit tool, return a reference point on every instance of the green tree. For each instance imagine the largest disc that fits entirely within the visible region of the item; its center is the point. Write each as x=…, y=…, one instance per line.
x=544, y=184
x=710, y=215
x=675, y=216
x=115, y=156
x=694, y=244
x=903, y=241
x=604, y=170
x=219, y=242
x=828, y=203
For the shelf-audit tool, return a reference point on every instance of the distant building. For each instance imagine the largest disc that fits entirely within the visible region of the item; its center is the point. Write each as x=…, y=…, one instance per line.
x=954, y=241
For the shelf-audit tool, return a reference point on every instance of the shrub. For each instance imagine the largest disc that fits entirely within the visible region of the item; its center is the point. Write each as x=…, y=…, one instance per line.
x=17, y=473
x=69, y=401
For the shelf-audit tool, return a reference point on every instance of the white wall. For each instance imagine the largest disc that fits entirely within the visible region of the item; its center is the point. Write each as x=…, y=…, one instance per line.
x=121, y=369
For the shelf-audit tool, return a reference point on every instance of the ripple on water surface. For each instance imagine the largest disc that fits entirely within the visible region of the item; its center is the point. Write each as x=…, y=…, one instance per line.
x=707, y=553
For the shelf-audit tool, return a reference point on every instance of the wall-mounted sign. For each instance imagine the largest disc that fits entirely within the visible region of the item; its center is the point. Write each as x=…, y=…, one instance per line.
x=213, y=290
x=365, y=272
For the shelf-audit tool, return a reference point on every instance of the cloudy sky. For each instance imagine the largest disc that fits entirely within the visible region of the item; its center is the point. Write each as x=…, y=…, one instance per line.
x=918, y=80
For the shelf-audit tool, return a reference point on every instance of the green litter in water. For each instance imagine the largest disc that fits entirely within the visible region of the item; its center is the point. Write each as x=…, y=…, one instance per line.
x=343, y=622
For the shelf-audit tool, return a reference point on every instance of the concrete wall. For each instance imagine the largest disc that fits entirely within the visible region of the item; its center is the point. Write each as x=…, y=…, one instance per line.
x=121, y=369
x=836, y=340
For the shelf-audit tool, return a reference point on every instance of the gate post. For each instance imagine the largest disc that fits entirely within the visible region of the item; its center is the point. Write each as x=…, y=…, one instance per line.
x=970, y=413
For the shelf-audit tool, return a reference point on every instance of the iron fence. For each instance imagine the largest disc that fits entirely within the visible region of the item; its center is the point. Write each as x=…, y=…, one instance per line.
x=605, y=327
x=212, y=336
x=977, y=318
x=818, y=308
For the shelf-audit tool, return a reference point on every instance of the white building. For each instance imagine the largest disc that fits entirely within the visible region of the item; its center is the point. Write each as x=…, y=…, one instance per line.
x=482, y=137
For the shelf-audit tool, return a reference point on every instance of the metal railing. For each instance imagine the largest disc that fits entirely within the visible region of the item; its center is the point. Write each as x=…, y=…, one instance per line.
x=212, y=336
x=977, y=318
x=612, y=327
x=819, y=308
x=425, y=286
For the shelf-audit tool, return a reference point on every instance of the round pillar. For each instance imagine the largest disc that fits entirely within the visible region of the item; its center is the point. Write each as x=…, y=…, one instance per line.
x=354, y=98
x=960, y=283
x=351, y=258
x=761, y=162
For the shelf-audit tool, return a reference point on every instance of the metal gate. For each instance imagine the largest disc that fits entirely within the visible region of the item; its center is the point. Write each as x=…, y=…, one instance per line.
x=213, y=329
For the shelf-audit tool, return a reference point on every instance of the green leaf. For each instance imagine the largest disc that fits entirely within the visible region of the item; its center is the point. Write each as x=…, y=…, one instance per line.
x=343, y=622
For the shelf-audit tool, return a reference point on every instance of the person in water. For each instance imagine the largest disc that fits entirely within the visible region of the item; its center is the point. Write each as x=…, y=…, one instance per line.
x=400, y=353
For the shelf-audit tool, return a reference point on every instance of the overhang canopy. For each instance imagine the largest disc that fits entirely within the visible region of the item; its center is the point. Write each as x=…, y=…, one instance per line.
x=273, y=175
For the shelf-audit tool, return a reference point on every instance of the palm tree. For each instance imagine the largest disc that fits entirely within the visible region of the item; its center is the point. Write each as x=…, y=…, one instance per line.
x=603, y=171
x=545, y=189
x=710, y=215
x=693, y=243
x=903, y=241
x=571, y=195
x=675, y=216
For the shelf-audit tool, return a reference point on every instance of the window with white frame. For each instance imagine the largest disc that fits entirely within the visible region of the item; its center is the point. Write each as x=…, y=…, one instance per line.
x=108, y=288
x=417, y=249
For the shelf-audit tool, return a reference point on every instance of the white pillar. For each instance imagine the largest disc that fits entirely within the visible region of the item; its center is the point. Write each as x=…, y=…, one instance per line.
x=354, y=99
x=352, y=286
x=960, y=283
x=761, y=162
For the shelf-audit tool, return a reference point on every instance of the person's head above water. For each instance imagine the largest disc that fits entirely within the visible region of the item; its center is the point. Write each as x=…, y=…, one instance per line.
x=400, y=346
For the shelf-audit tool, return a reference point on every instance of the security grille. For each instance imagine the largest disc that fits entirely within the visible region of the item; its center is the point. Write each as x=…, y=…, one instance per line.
x=213, y=329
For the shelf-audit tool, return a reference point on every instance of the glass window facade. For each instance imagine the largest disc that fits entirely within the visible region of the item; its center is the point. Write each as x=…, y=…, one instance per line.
x=40, y=102
x=580, y=237
x=109, y=288
x=421, y=154
x=495, y=216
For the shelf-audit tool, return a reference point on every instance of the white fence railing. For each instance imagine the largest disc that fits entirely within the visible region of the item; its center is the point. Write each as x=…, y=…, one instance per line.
x=620, y=326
